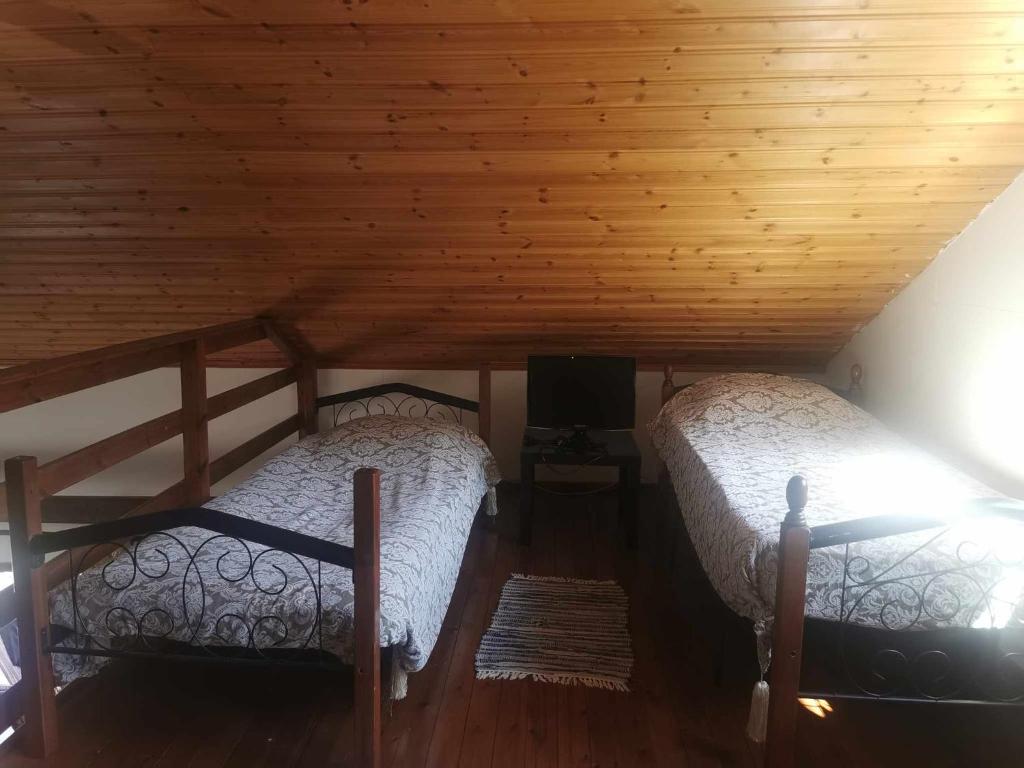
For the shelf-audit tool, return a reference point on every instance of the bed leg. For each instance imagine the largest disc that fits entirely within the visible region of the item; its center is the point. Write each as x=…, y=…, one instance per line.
x=788, y=631
x=366, y=579
x=39, y=733
x=387, y=681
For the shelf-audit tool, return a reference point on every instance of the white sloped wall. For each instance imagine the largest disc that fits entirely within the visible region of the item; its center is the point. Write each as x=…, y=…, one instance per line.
x=944, y=361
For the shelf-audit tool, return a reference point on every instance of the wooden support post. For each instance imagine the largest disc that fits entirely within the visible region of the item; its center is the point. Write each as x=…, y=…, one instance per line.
x=788, y=630
x=194, y=422
x=39, y=733
x=366, y=578
x=855, y=392
x=484, y=398
x=306, y=386
x=668, y=387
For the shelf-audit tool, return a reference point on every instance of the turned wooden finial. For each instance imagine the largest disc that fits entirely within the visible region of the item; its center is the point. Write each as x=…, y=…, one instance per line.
x=668, y=387
x=796, y=496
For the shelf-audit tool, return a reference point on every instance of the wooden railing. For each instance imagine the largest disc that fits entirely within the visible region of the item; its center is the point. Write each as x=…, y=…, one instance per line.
x=27, y=483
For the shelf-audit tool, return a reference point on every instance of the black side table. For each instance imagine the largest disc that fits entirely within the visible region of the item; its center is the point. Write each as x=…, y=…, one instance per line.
x=619, y=451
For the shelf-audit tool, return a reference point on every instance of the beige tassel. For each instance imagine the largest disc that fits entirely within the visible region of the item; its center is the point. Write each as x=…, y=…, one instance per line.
x=757, y=725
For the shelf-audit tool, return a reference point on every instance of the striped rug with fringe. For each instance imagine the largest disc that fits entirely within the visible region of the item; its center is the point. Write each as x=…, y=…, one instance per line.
x=556, y=630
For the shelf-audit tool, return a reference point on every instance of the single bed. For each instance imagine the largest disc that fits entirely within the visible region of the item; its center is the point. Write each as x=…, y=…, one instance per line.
x=189, y=586
x=874, y=536
x=344, y=548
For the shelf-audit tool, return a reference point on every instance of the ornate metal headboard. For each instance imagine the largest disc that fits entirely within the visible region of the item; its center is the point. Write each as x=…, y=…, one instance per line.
x=853, y=393
x=398, y=399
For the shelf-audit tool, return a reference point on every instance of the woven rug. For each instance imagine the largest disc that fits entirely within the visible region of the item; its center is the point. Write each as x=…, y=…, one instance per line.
x=558, y=630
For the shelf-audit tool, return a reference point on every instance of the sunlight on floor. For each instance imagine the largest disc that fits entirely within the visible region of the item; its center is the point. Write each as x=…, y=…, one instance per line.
x=817, y=707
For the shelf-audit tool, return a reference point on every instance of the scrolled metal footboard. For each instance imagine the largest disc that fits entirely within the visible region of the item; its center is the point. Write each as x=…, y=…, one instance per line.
x=162, y=592
x=938, y=621
x=904, y=646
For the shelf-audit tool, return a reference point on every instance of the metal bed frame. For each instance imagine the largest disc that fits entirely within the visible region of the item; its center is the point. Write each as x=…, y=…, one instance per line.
x=252, y=548
x=872, y=657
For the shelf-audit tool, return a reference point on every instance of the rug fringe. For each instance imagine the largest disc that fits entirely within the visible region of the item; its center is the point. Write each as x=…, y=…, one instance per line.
x=589, y=682
x=560, y=579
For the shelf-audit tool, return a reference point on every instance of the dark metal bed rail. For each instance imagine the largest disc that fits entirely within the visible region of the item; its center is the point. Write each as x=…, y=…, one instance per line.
x=27, y=484
x=894, y=640
x=866, y=528
x=401, y=399
x=191, y=624
x=197, y=517
x=183, y=625
x=380, y=399
x=398, y=387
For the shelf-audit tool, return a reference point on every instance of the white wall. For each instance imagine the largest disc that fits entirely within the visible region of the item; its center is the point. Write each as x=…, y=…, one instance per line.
x=51, y=429
x=944, y=362
x=56, y=427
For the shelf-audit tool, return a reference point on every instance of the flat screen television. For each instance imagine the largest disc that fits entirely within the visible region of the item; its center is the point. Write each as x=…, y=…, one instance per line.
x=581, y=392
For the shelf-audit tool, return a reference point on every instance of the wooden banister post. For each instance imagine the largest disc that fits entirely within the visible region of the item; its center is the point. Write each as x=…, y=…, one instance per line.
x=39, y=733
x=484, y=398
x=194, y=421
x=788, y=630
x=306, y=388
x=366, y=579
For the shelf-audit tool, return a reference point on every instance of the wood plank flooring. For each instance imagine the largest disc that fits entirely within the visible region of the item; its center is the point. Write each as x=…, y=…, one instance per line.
x=166, y=716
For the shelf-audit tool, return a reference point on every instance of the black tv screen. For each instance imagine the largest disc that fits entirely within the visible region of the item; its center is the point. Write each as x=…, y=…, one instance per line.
x=581, y=391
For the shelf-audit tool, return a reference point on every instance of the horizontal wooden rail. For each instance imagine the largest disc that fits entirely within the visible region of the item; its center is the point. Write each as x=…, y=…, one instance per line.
x=246, y=393
x=56, y=475
x=81, y=510
x=64, y=472
x=36, y=382
x=213, y=520
x=64, y=381
x=250, y=449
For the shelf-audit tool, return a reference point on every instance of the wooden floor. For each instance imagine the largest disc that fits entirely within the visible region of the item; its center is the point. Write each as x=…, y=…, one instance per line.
x=164, y=716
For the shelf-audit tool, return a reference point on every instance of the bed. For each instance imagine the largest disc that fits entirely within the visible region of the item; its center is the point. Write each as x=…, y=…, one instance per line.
x=915, y=564
x=341, y=552
x=186, y=586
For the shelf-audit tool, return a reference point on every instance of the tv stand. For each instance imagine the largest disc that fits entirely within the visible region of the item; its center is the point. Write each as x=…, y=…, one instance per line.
x=578, y=448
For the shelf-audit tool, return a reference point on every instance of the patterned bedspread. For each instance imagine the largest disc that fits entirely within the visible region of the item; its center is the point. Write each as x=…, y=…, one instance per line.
x=434, y=475
x=731, y=443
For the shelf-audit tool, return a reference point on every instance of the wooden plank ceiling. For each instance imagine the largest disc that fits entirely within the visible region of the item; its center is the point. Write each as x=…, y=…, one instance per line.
x=439, y=182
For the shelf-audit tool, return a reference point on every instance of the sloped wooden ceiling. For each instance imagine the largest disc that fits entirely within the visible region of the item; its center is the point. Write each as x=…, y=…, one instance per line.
x=439, y=182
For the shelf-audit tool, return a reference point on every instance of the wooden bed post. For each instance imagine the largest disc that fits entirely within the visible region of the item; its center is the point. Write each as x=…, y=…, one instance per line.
x=39, y=733
x=195, y=424
x=366, y=578
x=855, y=392
x=484, y=398
x=668, y=387
x=788, y=630
x=306, y=388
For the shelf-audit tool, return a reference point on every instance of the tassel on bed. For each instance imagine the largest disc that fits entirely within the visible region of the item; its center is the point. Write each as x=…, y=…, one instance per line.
x=757, y=724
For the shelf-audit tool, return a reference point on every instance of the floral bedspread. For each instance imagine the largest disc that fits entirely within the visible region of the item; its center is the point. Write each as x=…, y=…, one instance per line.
x=190, y=585
x=731, y=443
